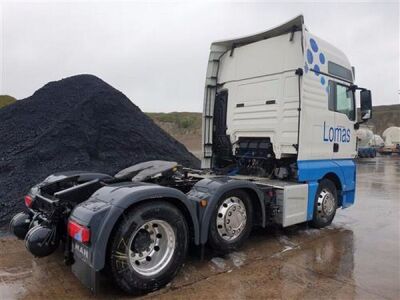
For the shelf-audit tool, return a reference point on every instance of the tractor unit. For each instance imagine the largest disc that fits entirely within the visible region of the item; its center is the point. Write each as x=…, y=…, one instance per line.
x=279, y=144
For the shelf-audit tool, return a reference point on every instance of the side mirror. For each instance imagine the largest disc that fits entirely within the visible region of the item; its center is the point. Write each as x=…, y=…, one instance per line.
x=366, y=105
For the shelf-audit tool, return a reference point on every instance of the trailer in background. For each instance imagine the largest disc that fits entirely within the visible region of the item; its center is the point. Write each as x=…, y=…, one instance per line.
x=368, y=143
x=392, y=141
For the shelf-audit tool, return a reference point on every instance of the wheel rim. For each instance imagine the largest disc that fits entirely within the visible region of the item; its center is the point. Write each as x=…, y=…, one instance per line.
x=231, y=218
x=326, y=204
x=151, y=247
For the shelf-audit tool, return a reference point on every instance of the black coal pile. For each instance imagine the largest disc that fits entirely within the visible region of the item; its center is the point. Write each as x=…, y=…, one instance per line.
x=78, y=123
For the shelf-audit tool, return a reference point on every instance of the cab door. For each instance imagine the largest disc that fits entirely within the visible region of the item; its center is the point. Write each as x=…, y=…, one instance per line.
x=342, y=102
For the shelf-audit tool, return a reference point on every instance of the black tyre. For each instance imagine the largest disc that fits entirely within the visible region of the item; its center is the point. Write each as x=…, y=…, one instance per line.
x=148, y=247
x=231, y=221
x=325, y=205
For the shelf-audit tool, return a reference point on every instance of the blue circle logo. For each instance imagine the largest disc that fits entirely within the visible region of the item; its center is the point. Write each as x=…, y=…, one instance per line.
x=317, y=70
x=310, y=58
x=319, y=60
x=322, y=58
x=314, y=45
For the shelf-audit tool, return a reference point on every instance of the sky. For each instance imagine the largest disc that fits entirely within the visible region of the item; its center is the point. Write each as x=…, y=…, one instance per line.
x=156, y=53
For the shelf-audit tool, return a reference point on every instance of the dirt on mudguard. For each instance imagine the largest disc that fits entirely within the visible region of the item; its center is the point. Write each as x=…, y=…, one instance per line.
x=77, y=123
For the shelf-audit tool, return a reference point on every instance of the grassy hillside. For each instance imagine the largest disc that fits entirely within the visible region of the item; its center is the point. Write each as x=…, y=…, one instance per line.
x=183, y=126
x=178, y=122
x=6, y=100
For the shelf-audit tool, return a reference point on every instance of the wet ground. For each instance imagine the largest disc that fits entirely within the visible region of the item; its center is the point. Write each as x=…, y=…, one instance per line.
x=357, y=257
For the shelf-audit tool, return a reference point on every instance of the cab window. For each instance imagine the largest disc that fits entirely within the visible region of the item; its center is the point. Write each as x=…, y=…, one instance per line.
x=341, y=99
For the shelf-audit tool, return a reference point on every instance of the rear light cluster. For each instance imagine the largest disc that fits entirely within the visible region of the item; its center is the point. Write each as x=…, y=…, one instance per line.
x=78, y=232
x=271, y=194
x=28, y=201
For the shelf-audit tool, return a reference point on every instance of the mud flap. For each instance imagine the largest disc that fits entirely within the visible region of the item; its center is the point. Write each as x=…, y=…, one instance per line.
x=86, y=274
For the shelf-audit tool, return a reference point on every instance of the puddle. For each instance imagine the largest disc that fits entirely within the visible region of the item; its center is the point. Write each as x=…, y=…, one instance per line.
x=238, y=258
x=219, y=262
x=11, y=290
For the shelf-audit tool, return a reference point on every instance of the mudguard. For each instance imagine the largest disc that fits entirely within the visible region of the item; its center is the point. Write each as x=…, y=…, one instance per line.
x=103, y=209
x=212, y=189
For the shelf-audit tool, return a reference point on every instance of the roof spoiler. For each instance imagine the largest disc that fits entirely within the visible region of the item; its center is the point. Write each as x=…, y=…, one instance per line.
x=295, y=24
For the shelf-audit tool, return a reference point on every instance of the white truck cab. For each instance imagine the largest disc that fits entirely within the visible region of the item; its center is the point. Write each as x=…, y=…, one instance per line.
x=281, y=105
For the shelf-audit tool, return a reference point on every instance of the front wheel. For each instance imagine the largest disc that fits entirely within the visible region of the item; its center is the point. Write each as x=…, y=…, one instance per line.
x=148, y=247
x=325, y=205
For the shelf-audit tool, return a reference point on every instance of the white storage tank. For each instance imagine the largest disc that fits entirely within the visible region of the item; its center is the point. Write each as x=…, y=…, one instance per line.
x=391, y=136
x=378, y=141
x=364, y=136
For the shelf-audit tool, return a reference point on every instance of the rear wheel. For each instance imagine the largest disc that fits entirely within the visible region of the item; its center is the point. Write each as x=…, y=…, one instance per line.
x=326, y=203
x=231, y=222
x=148, y=247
